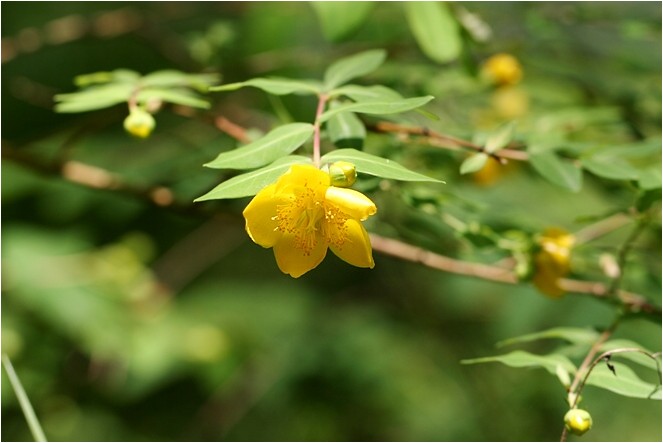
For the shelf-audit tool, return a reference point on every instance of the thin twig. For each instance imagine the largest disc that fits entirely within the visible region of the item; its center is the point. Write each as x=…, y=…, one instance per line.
x=24, y=401
x=445, y=141
x=322, y=100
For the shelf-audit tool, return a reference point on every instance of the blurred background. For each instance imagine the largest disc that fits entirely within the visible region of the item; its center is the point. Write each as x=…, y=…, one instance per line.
x=126, y=320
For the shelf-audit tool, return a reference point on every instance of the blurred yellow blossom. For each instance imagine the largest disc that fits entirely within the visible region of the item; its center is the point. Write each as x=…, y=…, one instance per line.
x=552, y=261
x=301, y=215
x=502, y=69
x=139, y=123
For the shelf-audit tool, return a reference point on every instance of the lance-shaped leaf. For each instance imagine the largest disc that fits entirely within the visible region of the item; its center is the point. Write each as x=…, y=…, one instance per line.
x=360, y=93
x=560, y=172
x=347, y=68
x=274, y=85
x=379, y=107
x=473, y=163
x=634, y=356
x=346, y=130
x=572, y=335
x=339, y=19
x=435, y=30
x=522, y=359
x=178, y=96
x=96, y=97
x=374, y=165
x=277, y=143
x=251, y=183
x=500, y=138
x=623, y=381
x=172, y=77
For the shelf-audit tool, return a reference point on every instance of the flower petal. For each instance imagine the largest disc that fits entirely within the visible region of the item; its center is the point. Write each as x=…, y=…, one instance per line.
x=293, y=260
x=302, y=176
x=353, y=203
x=259, y=214
x=356, y=250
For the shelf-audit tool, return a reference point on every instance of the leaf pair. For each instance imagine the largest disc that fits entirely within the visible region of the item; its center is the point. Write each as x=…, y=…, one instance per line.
x=106, y=89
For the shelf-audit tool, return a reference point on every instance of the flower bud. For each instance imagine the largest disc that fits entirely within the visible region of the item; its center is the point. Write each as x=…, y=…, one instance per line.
x=139, y=123
x=578, y=421
x=502, y=69
x=343, y=174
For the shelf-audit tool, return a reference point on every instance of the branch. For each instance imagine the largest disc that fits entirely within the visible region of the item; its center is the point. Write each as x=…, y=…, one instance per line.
x=445, y=141
x=94, y=177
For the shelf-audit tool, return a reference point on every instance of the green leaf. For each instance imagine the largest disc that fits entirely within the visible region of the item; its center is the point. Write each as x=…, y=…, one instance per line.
x=251, y=183
x=650, y=178
x=625, y=382
x=172, y=77
x=610, y=167
x=274, y=85
x=178, y=96
x=346, y=130
x=522, y=359
x=96, y=97
x=573, y=335
x=366, y=93
x=374, y=165
x=277, y=143
x=436, y=31
x=351, y=67
x=339, y=19
x=557, y=171
x=473, y=163
x=636, y=357
x=116, y=76
x=379, y=107
x=500, y=138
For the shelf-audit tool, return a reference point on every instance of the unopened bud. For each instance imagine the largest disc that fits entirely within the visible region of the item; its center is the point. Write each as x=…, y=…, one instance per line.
x=343, y=174
x=139, y=123
x=578, y=421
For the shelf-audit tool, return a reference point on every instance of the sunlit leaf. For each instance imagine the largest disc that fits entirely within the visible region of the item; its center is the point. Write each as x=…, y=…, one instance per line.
x=559, y=172
x=435, y=30
x=251, y=183
x=277, y=143
x=93, y=98
x=177, y=78
x=339, y=19
x=522, y=359
x=353, y=66
x=379, y=107
x=374, y=165
x=650, y=178
x=624, y=382
x=276, y=86
x=360, y=93
x=473, y=163
x=117, y=76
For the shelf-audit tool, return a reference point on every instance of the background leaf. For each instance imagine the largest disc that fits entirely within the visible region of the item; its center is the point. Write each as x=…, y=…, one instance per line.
x=557, y=171
x=274, y=85
x=379, y=107
x=625, y=382
x=374, y=165
x=251, y=183
x=473, y=163
x=339, y=19
x=522, y=359
x=96, y=97
x=435, y=30
x=572, y=335
x=346, y=130
x=360, y=93
x=353, y=66
x=276, y=143
x=500, y=138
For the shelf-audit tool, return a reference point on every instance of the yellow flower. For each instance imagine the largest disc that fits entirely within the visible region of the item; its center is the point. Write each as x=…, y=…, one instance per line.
x=301, y=215
x=503, y=69
x=552, y=261
x=139, y=123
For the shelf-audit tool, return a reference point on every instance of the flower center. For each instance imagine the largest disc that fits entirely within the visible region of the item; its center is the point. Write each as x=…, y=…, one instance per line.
x=311, y=220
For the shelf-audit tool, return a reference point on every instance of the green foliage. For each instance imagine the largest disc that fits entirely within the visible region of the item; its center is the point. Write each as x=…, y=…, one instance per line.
x=133, y=314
